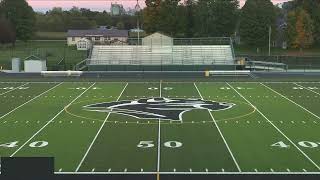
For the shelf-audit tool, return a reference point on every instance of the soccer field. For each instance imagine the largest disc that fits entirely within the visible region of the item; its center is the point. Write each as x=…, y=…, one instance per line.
x=164, y=127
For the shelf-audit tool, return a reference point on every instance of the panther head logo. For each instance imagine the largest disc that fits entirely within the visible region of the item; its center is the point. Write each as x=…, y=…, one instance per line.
x=157, y=108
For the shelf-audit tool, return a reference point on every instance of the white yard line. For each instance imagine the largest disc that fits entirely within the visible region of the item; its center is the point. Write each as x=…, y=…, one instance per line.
x=159, y=137
x=307, y=88
x=35, y=134
x=224, y=140
x=13, y=89
x=302, y=152
x=96, y=136
x=30, y=100
x=290, y=100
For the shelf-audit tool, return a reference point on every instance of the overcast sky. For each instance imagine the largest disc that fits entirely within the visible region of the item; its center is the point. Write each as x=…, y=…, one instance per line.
x=99, y=5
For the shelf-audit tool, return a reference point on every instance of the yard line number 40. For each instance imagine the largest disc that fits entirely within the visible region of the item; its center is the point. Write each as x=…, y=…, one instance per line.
x=35, y=144
x=305, y=144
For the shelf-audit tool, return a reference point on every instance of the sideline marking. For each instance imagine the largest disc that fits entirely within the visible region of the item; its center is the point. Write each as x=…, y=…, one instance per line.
x=224, y=140
x=290, y=100
x=94, y=139
x=13, y=89
x=30, y=100
x=302, y=152
x=196, y=173
x=43, y=127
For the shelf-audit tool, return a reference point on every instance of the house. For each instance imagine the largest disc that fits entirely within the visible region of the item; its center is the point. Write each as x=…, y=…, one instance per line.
x=100, y=35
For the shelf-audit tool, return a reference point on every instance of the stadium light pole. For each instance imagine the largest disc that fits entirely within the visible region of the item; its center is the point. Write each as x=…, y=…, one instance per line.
x=270, y=31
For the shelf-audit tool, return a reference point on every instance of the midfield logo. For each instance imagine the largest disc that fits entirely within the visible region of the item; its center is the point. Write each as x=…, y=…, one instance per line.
x=157, y=108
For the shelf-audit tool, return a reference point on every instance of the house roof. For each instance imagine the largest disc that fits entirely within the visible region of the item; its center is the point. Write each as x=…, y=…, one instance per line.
x=98, y=32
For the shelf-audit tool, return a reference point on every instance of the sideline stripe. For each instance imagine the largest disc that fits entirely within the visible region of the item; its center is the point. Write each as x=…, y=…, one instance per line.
x=290, y=100
x=307, y=88
x=224, y=140
x=50, y=121
x=302, y=152
x=13, y=89
x=190, y=173
x=30, y=100
x=94, y=139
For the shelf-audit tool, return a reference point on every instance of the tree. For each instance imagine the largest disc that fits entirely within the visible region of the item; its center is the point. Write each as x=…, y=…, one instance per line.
x=216, y=17
x=7, y=33
x=300, y=29
x=189, y=18
x=255, y=19
x=312, y=7
x=151, y=15
x=21, y=15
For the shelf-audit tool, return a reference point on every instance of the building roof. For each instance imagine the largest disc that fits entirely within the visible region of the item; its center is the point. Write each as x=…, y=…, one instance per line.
x=98, y=32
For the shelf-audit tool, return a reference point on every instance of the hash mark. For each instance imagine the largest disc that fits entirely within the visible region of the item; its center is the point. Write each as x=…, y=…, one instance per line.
x=207, y=170
x=93, y=170
x=109, y=170
x=304, y=170
x=222, y=170
x=60, y=169
x=288, y=170
x=271, y=170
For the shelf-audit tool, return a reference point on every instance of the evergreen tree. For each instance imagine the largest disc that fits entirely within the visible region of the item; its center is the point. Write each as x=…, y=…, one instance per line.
x=256, y=18
x=21, y=15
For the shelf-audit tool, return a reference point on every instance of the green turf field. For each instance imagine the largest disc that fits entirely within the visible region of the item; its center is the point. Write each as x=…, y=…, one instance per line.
x=243, y=127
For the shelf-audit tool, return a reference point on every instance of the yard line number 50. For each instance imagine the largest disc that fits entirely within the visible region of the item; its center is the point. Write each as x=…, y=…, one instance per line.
x=150, y=144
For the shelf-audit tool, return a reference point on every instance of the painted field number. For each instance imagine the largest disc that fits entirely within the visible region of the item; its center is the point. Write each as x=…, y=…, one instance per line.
x=35, y=144
x=168, y=144
x=305, y=144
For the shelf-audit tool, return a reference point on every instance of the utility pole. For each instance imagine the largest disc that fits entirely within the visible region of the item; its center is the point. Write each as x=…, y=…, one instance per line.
x=137, y=8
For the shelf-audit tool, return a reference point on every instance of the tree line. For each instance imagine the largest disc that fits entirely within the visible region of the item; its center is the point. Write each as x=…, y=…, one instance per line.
x=299, y=20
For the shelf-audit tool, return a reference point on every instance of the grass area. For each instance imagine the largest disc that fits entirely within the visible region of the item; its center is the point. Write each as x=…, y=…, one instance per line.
x=50, y=36
x=166, y=127
x=53, y=50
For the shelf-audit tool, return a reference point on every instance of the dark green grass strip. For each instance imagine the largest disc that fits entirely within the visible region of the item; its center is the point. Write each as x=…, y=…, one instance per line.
x=203, y=148
x=27, y=120
x=18, y=96
x=72, y=132
x=249, y=135
x=294, y=122
x=115, y=149
x=304, y=95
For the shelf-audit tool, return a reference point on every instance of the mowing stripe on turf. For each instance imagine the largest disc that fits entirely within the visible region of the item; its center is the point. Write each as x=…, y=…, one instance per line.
x=50, y=121
x=307, y=88
x=13, y=89
x=290, y=100
x=302, y=152
x=224, y=140
x=96, y=136
x=30, y=100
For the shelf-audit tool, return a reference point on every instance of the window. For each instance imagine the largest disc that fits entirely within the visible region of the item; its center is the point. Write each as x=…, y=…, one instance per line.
x=73, y=38
x=97, y=38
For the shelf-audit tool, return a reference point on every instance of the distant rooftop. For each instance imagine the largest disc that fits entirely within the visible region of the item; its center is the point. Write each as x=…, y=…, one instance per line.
x=97, y=32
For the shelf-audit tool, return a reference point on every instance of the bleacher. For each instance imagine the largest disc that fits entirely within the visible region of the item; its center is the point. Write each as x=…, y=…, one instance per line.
x=161, y=55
